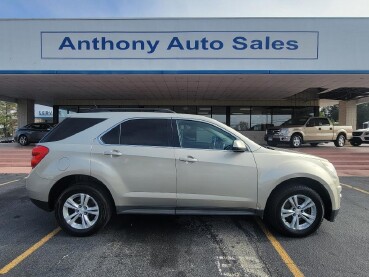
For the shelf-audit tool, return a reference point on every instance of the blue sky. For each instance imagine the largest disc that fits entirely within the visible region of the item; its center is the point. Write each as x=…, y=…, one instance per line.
x=182, y=8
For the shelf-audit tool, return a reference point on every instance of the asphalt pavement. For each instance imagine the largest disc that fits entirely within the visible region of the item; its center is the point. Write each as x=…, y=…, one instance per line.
x=139, y=245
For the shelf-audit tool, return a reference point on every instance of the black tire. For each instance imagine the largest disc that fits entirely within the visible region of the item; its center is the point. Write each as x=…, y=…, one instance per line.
x=355, y=143
x=314, y=144
x=23, y=140
x=340, y=140
x=280, y=197
x=99, y=198
x=295, y=141
x=270, y=143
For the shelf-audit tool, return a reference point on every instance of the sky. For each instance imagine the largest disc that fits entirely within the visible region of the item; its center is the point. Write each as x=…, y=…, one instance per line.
x=182, y=8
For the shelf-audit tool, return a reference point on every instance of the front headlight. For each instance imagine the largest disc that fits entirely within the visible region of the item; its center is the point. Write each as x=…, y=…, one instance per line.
x=283, y=132
x=330, y=167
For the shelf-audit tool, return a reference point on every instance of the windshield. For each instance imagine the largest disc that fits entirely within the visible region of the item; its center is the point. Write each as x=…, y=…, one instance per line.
x=295, y=121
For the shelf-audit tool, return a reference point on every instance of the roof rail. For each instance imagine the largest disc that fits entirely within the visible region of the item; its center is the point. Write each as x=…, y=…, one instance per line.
x=150, y=110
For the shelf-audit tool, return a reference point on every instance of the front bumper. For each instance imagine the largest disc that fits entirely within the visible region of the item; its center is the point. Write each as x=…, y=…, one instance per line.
x=41, y=204
x=332, y=216
x=277, y=139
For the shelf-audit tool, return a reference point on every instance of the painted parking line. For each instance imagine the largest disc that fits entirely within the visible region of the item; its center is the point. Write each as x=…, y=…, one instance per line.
x=28, y=252
x=280, y=250
x=3, y=184
x=351, y=187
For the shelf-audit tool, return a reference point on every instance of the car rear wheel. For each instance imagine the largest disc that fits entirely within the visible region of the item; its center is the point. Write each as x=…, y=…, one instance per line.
x=296, y=211
x=82, y=210
x=340, y=141
x=23, y=140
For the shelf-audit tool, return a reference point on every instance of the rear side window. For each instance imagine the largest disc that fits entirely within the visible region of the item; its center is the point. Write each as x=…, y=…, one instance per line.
x=69, y=127
x=112, y=137
x=150, y=132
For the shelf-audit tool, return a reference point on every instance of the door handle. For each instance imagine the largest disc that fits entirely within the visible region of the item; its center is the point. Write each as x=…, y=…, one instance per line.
x=113, y=153
x=189, y=159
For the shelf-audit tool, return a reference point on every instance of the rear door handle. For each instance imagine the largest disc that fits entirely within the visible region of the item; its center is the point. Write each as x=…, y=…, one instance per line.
x=189, y=159
x=113, y=153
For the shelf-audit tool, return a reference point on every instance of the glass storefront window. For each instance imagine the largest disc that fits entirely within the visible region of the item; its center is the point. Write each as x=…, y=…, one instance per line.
x=281, y=115
x=304, y=111
x=185, y=109
x=240, y=118
x=220, y=114
x=261, y=118
x=204, y=111
x=65, y=110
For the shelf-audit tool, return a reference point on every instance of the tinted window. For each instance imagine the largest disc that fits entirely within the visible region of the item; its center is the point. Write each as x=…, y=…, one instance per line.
x=112, y=137
x=194, y=134
x=70, y=127
x=151, y=132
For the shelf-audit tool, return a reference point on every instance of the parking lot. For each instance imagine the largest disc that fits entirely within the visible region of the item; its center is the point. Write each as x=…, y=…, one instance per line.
x=31, y=244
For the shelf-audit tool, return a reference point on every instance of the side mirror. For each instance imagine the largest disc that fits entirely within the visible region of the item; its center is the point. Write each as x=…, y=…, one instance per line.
x=239, y=146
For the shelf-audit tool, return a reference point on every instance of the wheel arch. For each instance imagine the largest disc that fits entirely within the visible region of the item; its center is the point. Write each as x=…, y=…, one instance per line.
x=310, y=183
x=341, y=133
x=300, y=134
x=69, y=181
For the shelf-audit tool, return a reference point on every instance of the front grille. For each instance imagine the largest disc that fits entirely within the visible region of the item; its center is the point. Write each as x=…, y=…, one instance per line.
x=357, y=134
x=273, y=132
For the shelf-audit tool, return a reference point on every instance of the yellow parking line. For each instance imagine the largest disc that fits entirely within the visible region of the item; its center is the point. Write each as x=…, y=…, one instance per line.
x=282, y=253
x=28, y=252
x=9, y=182
x=351, y=187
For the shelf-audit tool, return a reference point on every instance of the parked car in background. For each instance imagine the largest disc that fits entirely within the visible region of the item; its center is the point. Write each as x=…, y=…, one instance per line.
x=313, y=130
x=32, y=133
x=93, y=165
x=359, y=137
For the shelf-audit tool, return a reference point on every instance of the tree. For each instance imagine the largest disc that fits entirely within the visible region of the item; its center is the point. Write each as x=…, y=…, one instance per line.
x=8, y=118
x=331, y=112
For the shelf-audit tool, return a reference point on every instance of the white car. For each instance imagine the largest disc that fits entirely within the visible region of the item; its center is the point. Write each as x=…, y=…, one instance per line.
x=94, y=164
x=359, y=137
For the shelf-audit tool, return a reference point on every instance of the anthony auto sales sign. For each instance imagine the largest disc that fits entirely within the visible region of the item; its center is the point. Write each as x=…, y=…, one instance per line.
x=299, y=45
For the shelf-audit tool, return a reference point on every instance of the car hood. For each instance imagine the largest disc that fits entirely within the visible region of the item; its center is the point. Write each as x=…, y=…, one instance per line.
x=285, y=152
x=362, y=130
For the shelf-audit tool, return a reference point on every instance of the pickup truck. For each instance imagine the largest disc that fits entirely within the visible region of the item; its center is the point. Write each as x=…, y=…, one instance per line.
x=313, y=130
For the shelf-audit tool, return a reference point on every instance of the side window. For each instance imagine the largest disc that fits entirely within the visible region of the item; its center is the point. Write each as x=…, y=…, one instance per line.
x=194, y=134
x=324, y=122
x=311, y=123
x=150, y=132
x=70, y=127
x=112, y=137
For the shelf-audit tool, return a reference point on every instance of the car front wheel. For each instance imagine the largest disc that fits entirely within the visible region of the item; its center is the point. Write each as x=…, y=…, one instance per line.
x=355, y=143
x=296, y=211
x=296, y=141
x=82, y=210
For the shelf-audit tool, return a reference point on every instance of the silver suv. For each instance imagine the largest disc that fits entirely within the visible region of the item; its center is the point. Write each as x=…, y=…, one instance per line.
x=95, y=164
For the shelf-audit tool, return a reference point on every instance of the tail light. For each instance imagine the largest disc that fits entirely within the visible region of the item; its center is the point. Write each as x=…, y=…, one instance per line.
x=38, y=153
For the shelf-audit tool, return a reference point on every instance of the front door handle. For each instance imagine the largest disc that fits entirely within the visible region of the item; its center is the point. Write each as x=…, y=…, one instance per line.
x=113, y=153
x=189, y=159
